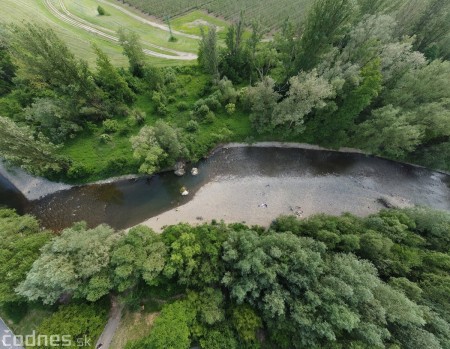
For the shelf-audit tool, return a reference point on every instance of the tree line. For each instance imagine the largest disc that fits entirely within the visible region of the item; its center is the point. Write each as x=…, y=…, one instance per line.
x=332, y=282
x=366, y=74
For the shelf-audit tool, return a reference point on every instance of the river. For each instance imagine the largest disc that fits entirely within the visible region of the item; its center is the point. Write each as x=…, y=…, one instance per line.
x=128, y=202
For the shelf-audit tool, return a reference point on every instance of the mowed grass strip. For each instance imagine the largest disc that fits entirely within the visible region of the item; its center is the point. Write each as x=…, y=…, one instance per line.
x=87, y=10
x=78, y=40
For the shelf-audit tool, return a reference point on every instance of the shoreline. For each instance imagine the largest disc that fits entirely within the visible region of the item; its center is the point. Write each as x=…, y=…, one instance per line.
x=35, y=188
x=244, y=200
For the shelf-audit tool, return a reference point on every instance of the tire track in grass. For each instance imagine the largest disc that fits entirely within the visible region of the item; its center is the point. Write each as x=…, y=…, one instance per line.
x=73, y=20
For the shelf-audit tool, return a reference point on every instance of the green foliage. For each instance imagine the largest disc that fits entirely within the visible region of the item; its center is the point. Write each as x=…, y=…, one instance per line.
x=140, y=254
x=45, y=57
x=262, y=100
x=104, y=138
x=111, y=126
x=52, y=118
x=20, y=242
x=77, y=263
x=7, y=67
x=326, y=24
x=81, y=322
x=158, y=147
x=388, y=133
x=101, y=11
x=357, y=100
x=109, y=79
x=420, y=86
x=220, y=338
x=305, y=283
x=171, y=328
x=208, y=55
x=307, y=92
x=194, y=256
x=20, y=147
x=192, y=126
x=246, y=322
x=133, y=50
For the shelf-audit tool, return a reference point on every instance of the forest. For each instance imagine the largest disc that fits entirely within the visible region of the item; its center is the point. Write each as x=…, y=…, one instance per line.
x=367, y=75
x=323, y=282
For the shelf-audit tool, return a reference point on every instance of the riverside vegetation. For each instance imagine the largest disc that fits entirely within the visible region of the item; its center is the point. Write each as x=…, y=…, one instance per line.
x=367, y=74
x=323, y=282
x=370, y=75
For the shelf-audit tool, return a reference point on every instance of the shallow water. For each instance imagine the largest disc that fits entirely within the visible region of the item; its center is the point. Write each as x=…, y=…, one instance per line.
x=129, y=202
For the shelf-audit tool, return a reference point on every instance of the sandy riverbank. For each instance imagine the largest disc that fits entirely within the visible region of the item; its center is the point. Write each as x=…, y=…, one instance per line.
x=239, y=200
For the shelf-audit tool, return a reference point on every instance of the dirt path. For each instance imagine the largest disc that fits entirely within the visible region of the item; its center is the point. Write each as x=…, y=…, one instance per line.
x=115, y=315
x=80, y=23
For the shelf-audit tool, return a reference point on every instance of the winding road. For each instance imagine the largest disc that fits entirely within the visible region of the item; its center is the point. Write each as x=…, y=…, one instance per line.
x=107, y=34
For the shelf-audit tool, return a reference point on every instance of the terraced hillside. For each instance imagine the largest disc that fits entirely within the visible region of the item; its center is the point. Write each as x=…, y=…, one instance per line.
x=271, y=12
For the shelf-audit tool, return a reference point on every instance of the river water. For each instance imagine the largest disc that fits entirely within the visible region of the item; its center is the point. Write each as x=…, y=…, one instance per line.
x=128, y=202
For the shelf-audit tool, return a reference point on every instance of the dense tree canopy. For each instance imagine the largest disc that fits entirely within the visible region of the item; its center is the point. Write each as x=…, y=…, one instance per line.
x=21, y=147
x=20, y=241
x=75, y=263
x=334, y=282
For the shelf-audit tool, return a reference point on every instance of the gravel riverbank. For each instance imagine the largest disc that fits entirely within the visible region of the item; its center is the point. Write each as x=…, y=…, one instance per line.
x=245, y=200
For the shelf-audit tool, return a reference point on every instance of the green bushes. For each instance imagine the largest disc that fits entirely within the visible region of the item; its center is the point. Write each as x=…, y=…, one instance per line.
x=79, y=171
x=110, y=126
x=82, y=322
x=192, y=126
x=101, y=11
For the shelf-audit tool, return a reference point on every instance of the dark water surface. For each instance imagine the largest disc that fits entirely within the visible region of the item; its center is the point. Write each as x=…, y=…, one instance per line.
x=129, y=202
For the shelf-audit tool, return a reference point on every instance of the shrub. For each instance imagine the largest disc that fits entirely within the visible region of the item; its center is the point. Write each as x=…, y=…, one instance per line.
x=169, y=75
x=201, y=109
x=160, y=100
x=118, y=165
x=228, y=93
x=230, y=108
x=213, y=103
x=171, y=99
x=138, y=116
x=77, y=320
x=183, y=94
x=79, y=171
x=121, y=110
x=111, y=126
x=101, y=11
x=192, y=126
x=162, y=110
x=182, y=106
x=105, y=138
x=210, y=117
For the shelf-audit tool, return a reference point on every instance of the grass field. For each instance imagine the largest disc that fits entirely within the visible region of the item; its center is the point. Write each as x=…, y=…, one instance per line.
x=271, y=12
x=154, y=33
